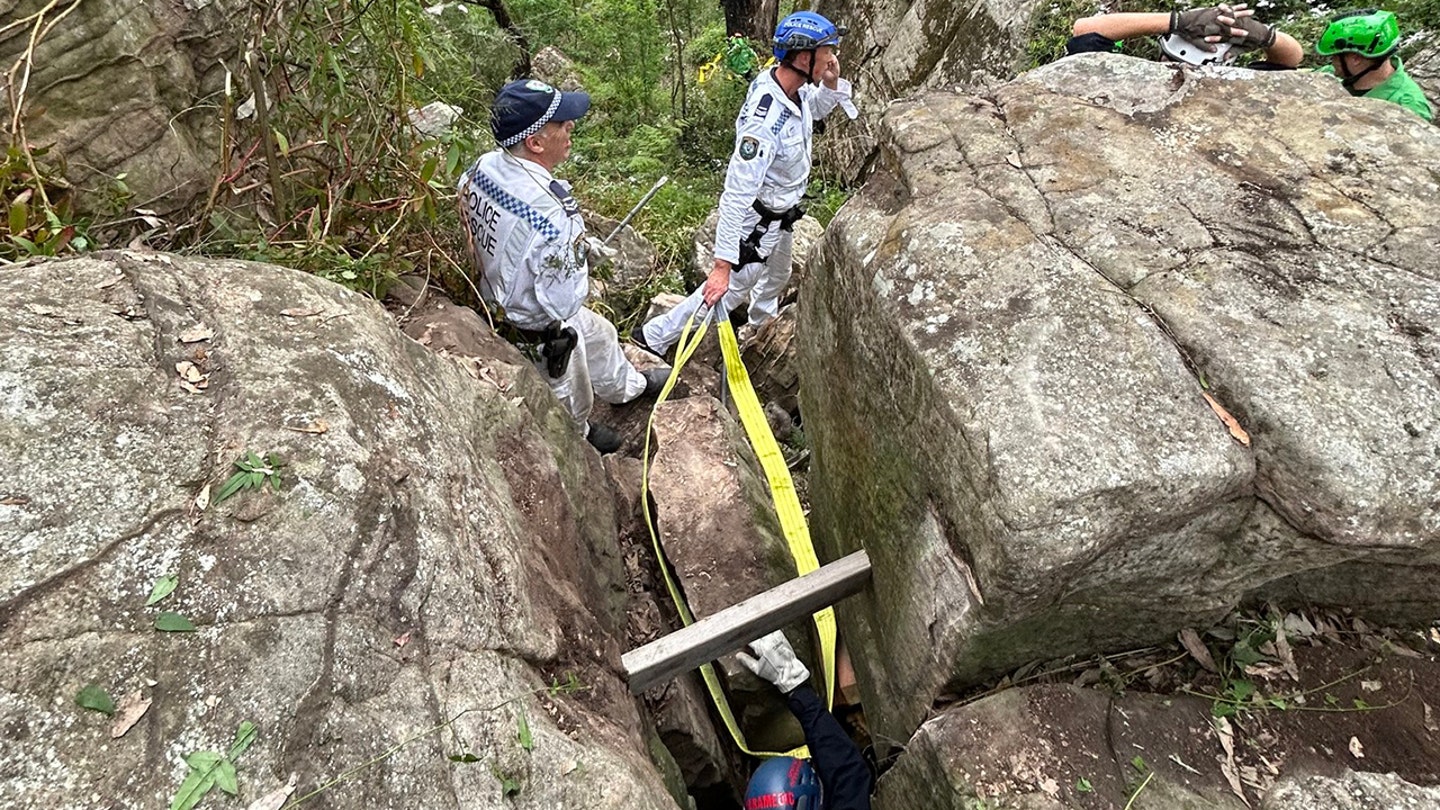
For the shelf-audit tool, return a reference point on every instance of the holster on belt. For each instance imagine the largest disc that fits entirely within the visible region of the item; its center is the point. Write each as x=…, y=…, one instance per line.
x=553, y=344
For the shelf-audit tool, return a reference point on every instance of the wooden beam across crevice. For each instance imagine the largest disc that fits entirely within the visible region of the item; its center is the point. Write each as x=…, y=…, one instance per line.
x=734, y=627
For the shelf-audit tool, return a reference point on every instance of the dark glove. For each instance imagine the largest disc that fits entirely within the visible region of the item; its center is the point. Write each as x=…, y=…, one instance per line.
x=1257, y=34
x=1197, y=24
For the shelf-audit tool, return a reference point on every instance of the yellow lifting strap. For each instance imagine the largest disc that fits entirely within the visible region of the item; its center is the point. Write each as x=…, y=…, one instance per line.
x=782, y=493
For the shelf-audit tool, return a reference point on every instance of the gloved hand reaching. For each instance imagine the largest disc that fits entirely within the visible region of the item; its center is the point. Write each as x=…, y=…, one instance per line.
x=1198, y=24
x=1257, y=34
x=775, y=661
x=596, y=252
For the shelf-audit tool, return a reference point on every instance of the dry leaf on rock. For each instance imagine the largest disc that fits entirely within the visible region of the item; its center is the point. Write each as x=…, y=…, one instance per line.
x=1298, y=626
x=1230, y=422
x=1190, y=640
x=132, y=707
x=275, y=799
x=14, y=500
x=1356, y=749
x=196, y=334
x=302, y=312
x=1370, y=686
x=403, y=639
x=1014, y=160
x=1430, y=724
x=202, y=500
x=1227, y=765
x=1284, y=653
x=316, y=428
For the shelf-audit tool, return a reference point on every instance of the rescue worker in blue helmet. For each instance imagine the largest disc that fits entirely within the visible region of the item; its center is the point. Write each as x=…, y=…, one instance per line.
x=768, y=173
x=527, y=241
x=836, y=776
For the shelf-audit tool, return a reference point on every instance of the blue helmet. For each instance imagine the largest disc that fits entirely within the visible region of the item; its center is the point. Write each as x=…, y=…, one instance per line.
x=783, y=783
x=805, y=31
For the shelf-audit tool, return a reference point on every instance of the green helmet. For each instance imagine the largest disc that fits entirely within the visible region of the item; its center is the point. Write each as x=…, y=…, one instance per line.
x=1369, y=32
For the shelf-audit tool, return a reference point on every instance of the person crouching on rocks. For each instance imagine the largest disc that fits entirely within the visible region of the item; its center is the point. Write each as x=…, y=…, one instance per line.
x=1200, y=36
x=527, y=240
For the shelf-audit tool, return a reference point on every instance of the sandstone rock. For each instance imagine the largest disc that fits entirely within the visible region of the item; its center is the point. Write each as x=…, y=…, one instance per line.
x=632, y=268
x=441, y=547
x=1007, y=340
x=118, y=83
x=1351, y=791
x=720, y=533
x=550, y=64
x=898, y=47
x=1424, y=67
x=771, y=358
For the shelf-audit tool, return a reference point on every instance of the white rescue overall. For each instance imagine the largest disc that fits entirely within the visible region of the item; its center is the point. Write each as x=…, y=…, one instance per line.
x=771, y=165
x=525, y=234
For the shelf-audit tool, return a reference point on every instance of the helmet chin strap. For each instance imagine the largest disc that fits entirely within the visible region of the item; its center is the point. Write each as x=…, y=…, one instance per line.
x=1349, y=79
x=808, y=73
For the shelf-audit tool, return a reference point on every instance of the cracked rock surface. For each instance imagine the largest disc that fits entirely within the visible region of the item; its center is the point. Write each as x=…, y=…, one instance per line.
x=1008, y=336
x=129, y=87
x=440, y=547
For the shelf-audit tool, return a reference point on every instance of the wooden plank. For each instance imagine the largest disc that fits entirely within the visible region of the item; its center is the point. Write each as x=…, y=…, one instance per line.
x=736, y=626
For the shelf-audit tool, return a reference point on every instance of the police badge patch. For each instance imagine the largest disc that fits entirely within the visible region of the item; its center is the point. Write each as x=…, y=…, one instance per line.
x=749, y=147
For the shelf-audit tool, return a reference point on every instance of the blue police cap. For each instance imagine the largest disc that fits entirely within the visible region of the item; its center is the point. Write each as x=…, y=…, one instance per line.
x=522, y=107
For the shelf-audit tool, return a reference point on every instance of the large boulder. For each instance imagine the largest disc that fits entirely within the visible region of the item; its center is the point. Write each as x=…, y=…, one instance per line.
x=118, y=84
x=897, y=47
x=435, y=574
x=1021, y=341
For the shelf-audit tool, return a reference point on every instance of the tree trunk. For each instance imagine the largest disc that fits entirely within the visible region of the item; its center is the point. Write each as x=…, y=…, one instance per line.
x=506, y=24
x=754, y=18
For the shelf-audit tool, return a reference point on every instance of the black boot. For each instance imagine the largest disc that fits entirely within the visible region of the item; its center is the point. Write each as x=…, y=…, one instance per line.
x=655, y=379
x=603, y=438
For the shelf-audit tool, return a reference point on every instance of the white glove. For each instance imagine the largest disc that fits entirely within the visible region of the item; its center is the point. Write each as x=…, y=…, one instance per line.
x=775, y=661
x=596, y=252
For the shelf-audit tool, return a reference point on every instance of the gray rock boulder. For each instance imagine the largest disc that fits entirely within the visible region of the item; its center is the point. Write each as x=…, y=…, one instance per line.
x=118, y=84
x=1351, y=791
x=896, y=48
x=436, y=570
x=1008, y=340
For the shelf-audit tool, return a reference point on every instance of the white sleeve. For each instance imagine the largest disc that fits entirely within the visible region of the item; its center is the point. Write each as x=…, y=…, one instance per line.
x=562, y=278
x=755, y=147
x=823, y=100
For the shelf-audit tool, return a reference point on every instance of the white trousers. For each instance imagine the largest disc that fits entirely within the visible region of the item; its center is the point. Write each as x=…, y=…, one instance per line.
x=760, y=283
x=598, y=367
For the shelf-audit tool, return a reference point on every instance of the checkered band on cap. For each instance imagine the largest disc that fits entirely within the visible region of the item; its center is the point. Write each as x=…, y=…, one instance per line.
x=535, y=127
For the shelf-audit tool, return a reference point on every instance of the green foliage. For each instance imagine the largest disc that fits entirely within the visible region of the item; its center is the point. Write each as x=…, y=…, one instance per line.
x=96, y=699
x=169, y=622
x=163, y=587
x=209, y=769
x=253, y=472
x=37, y=217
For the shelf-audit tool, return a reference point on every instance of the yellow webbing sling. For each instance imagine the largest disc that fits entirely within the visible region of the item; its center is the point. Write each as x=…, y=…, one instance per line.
x=782, y=492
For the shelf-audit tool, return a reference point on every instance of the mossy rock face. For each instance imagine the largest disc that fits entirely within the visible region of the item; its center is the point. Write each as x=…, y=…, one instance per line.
x=441, y=545
x=1008, y=339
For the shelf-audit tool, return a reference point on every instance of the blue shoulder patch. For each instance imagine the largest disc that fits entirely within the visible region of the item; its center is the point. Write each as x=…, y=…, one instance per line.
x=569, y=203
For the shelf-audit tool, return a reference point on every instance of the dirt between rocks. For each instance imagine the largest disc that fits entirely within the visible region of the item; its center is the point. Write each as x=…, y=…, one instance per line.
x=1364, y=701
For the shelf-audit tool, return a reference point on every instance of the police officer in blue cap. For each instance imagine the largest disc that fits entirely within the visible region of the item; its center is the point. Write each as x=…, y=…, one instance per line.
x=835, y=777
x=769, y=170
x=527, y=239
